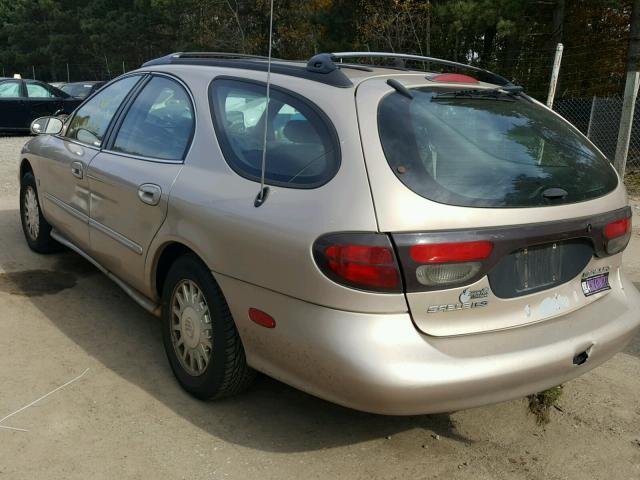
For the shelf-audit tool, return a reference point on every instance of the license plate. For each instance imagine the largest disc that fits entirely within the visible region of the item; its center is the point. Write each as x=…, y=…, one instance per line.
x=595, y=284
x=538, y=267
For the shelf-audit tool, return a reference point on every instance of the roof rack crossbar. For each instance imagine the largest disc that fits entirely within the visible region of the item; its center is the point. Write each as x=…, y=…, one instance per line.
x=490, y=76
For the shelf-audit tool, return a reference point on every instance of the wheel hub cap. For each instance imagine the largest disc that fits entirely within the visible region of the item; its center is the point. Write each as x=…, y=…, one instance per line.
x=31, y=213
x=191, y=327
x=191, y=330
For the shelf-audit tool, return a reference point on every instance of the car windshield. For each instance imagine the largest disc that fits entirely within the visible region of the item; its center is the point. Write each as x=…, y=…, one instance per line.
x=80, y=90
x=488, y=151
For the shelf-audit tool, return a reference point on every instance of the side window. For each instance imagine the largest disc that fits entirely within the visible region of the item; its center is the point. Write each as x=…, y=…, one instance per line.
x=38, y=91
x=159, y=123
x=90, y=122
x=302, y=145
x=9, y=89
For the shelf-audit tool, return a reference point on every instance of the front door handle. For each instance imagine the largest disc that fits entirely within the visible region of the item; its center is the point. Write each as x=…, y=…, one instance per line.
x=149, y=193
x=77, y=170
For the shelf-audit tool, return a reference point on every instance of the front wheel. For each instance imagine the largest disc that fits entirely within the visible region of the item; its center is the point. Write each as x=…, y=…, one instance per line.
x=35, y=227
x=200, y=337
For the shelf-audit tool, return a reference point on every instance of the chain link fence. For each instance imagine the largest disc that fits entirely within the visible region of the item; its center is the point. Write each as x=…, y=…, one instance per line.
x=599, y=119
x=70, y=72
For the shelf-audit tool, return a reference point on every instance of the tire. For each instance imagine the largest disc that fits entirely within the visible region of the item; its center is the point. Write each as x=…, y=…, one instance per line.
x=35, y=227
x=226, y=372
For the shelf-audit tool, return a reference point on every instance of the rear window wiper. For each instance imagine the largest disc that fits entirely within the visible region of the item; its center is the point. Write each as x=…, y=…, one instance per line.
x=505, y=93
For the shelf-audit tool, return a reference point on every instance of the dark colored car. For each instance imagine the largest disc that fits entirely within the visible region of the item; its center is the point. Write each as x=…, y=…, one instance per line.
x=22, y=101
x=81, y=89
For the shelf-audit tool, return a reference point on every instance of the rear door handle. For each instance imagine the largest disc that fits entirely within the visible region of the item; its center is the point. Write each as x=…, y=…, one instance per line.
x=149, y=193
x=77, y=170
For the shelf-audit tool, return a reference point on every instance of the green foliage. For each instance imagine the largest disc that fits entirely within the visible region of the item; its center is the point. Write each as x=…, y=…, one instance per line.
x=540, y=404
x=514, y=37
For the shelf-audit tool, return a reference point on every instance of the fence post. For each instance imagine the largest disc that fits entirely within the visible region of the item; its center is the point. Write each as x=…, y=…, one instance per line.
x=554, y=75
x=33, y=70
x=68, y=77
x=107, y=64
x=123, y=69
x=626, y=121
x=593, y=106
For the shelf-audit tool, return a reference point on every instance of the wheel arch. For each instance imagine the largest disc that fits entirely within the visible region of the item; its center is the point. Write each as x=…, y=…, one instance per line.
x=164, y=257
x=25, y=167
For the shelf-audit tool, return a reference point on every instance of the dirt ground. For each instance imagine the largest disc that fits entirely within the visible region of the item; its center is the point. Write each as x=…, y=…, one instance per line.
x=128, y=418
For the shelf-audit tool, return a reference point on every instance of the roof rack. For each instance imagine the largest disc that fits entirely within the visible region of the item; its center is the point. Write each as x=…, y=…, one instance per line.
x=333, y=76
x=323, y=67
x=323, y=61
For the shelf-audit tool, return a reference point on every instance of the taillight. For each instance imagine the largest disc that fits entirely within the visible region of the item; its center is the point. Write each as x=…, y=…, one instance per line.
x=451, y=252
x=361, y=260
x=444, y=264
x=617, y=235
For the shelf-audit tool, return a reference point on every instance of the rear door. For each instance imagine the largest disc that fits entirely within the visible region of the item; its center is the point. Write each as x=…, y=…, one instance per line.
x=65, y=184
x=13, y=106
x=131, y=179
x=496, y=205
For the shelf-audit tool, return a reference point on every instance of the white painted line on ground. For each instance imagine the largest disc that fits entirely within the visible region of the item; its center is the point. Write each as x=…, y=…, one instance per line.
x=37, y=400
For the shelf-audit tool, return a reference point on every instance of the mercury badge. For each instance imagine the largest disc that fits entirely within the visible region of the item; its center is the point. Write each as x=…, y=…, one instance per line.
x=467, y=299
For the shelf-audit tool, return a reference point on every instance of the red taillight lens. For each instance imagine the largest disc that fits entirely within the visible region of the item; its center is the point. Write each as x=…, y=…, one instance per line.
x=360, y=254
x=451, y=252
x=617, y=235
x=617, y=228
x=367, y=266
x=453, y=78
x=361, y=260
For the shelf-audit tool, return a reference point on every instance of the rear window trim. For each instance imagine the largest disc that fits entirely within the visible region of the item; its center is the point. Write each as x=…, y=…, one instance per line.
x=226, y=148
x=444, y=88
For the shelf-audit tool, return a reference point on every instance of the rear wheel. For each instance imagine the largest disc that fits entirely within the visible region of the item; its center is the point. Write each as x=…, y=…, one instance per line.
x=35, y=227
x=200, y=337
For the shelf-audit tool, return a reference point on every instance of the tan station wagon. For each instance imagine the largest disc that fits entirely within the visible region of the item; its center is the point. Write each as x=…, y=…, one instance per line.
x=424, y=242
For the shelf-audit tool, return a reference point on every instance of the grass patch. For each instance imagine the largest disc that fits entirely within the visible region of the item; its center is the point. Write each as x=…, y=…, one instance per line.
x=540, y=404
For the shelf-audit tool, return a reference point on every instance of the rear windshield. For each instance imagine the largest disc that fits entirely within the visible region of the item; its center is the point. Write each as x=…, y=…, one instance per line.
x=77, y=89
x=488, y=151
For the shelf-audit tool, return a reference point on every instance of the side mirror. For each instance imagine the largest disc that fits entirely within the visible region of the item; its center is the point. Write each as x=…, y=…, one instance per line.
x=46, y=126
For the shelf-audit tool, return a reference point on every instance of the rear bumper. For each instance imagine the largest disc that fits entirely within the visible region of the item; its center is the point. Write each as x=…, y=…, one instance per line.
x=382, y=364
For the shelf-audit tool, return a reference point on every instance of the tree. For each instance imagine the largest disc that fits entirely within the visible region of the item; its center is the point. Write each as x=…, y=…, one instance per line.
x=633, y=56
x=517, y=38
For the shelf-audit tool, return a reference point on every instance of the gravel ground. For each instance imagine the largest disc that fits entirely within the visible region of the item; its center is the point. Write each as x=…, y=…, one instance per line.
x=9, y=150
x=127, y=417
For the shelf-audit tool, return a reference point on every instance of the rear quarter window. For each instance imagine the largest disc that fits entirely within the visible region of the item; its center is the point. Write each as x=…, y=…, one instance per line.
x=302, y=145
x=487, y=151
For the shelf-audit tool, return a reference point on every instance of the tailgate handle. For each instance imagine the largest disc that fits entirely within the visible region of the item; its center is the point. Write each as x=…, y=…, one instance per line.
x=149, y=193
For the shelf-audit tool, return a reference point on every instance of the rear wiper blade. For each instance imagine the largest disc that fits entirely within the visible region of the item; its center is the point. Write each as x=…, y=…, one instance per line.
x=505, y=93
